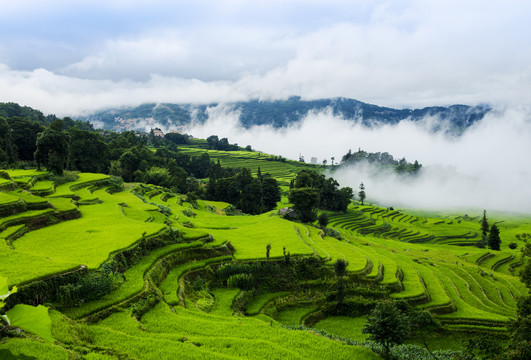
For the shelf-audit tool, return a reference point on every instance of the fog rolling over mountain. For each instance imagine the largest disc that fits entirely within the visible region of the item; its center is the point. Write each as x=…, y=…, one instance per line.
x=486, y=167
x=472, y=157
x=282, y=113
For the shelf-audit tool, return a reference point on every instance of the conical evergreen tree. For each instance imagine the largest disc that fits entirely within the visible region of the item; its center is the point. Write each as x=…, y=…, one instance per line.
x=494, y=238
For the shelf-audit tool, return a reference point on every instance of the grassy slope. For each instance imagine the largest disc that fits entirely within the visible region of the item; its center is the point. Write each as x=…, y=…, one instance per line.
x=478, y=288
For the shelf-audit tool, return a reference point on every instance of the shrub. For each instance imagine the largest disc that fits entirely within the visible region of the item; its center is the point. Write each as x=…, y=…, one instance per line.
x=143, y=305
x=323, y=220
x=333, y=233
x=242, y=281
x=188, y=213
x=513, y=245
x=67, y=176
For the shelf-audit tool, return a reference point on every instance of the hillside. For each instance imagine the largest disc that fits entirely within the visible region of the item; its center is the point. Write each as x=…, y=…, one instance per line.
x=137, y=271
x=280, y=113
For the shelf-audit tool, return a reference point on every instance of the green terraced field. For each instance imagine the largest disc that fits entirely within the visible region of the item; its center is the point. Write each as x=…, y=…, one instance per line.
x=153, y=311
x=282, y=171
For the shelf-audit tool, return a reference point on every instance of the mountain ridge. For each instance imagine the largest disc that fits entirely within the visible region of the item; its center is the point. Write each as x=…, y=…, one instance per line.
x=281, y=113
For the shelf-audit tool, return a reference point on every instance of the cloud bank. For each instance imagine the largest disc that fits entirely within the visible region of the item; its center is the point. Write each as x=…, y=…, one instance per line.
x=485, y=168
x=94, y=55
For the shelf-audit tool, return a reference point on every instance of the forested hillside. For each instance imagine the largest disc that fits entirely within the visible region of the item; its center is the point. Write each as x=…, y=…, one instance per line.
x=280, y=113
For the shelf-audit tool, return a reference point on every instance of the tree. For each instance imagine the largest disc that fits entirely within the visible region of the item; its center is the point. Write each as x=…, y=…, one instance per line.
x=251, y=197
x=340, y=269
x=520, y=328
x=158, y=176
x=323, y=220
x=342, y=198
x=387, y=325
x=361, y=193
x=136, y=158
x=422, y=322
x=24, y=133
x=525, y=275
x=484, y=227
x=88, y=153
x=52, y=148
x=304, y=201
x=270, y=193
x=7, y=146
x=494, y=240
x=213, y=142
x=268, y=251
x=177, y=138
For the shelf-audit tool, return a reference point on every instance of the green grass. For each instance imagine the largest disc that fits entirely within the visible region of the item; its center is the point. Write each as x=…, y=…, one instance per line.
x=377, y=243
x=32, y=349
x=25, y=173
x=63, y=204
x=42, y=186
x=282, y=171
x=237, y=336
x=133, y=284
x=84, y=179
x=27, y=197
x=6, y=198
x=223, y=301
x=101, y=230
x=344, y=326
x=258, y=302
x=294, y=315
x=170, y=285
x=250, y=241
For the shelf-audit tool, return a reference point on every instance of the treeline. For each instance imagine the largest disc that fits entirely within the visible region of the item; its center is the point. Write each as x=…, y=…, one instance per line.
x=215, y=143
x=24, y=142
x=253, y=195
x=18, y=135
x=311, y=190
x=383, y=159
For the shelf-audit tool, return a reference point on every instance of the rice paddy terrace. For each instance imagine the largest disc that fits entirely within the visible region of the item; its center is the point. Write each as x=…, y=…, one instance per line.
x=145, y=251
x=283, y=171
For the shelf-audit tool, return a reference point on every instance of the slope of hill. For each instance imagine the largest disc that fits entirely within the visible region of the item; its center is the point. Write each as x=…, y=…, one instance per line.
x=279, y=113
x=140, y=272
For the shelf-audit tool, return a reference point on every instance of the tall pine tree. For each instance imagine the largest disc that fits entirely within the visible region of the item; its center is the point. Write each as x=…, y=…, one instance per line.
x=484, y=225
x=361, y=193
x=494, y=238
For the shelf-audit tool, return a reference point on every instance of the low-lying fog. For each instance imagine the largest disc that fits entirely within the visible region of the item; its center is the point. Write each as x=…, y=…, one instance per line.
x=488, y=167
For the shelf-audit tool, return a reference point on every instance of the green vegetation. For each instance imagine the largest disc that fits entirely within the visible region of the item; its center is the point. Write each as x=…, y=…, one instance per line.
x=183, y=265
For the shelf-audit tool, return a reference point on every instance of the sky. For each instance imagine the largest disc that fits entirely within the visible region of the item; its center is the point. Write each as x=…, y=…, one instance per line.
x=75, y=57
x=71, y=57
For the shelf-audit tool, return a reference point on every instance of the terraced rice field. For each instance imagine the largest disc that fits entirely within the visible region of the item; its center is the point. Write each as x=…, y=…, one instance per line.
x=393, y=224
x=282, y=171
x=82, y=225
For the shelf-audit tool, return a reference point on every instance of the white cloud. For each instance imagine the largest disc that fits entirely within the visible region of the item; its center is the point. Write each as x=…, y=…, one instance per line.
x=406, y=53
x=484, y=168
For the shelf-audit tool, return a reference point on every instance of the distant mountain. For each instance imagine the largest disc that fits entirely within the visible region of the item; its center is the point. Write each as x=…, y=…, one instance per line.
x=280, y=113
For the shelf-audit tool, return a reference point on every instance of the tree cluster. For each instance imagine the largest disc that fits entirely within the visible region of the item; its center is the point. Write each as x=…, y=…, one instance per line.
x=382, y=159
x=252, y=195
x=310, y=190
x=215, y=143
x=489, y=236
x=393, y=322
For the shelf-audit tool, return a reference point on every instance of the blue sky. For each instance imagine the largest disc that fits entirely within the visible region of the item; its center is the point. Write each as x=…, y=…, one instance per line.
x=71, y=57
